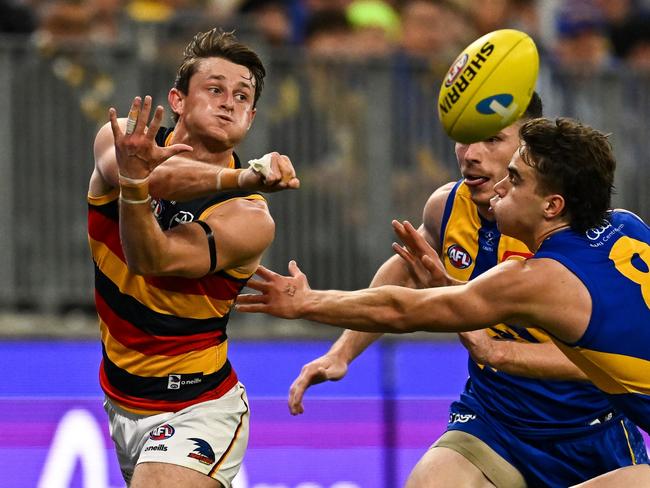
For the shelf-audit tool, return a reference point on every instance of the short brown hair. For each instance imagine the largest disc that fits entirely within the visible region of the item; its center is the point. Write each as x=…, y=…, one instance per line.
x=575, y=161
x=219, y=44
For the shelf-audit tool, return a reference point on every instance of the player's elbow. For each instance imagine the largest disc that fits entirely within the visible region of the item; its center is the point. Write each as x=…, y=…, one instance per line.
x=141, y=265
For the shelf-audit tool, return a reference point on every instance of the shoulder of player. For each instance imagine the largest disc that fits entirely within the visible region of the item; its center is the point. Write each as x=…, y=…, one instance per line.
x=250, y=213
x=434, y=209
x=530, y=280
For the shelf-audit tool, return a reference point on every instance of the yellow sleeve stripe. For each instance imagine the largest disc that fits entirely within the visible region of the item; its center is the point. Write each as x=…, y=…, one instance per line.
x=104, y=199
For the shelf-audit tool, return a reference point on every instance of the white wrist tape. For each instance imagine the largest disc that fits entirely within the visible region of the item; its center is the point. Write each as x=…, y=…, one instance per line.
x=261, y=165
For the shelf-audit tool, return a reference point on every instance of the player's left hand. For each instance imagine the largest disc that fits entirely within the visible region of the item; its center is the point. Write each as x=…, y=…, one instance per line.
x=276, y=173
x=136, y=149
x=281, y=296
x=423, y=262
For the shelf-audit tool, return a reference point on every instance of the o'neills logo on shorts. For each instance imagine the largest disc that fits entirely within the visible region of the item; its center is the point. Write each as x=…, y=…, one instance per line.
x=177, y=381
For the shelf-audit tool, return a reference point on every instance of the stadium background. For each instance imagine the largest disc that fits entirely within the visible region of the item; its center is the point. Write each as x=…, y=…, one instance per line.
x=357, y=116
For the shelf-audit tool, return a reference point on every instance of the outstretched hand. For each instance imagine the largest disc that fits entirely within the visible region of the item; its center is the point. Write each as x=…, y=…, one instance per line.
x=423, y=262
x=136, y=149
x=281, y=296
x=325, y=368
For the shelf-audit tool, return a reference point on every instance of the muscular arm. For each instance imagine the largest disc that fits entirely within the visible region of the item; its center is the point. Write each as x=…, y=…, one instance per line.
x=514, y=291
x=333, y=365
x=178, y=178
x=242, y=230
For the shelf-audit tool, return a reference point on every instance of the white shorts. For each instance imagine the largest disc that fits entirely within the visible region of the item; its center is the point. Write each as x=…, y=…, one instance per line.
x=209, y=437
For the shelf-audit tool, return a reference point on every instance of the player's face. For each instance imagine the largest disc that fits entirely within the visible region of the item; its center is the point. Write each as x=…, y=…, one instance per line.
x=219, y=102
x=518, y=207
x=484, y=163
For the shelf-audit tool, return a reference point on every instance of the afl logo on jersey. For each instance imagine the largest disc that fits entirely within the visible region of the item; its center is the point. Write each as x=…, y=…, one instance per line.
x=157, y=207
x=458, y=257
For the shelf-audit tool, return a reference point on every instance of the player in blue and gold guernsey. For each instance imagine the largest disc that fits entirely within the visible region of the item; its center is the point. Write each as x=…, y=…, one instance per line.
x=587, y=283
x=496, y=427
x=168, y=268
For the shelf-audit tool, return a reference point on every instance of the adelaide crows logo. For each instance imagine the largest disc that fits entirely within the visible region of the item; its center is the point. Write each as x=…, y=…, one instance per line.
x=203, y=451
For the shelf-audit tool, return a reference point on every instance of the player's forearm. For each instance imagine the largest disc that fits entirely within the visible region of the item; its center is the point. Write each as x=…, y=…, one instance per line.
x=142, y=238
x=381, y=309
x=541, y=361
x=352, y=343
x=182, y=179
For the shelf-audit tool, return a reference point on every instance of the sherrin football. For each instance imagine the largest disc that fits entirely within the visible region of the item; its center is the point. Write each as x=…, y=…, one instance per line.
x=489, y=85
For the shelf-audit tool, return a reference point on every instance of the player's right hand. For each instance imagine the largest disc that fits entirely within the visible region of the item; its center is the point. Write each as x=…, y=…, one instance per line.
x=275, y=174
x=325, y=368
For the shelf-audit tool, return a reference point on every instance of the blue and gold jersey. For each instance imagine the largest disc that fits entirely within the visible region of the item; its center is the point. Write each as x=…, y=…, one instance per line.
x=613, y=262
x=470, y=246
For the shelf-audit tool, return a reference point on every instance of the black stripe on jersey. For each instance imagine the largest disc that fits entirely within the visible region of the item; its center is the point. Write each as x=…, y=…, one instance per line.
x=109, y=210
x=223, y=274
x=158, y=388
x=149, y=321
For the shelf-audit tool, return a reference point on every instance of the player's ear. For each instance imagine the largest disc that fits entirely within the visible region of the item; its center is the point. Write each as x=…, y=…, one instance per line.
x=176, y=99
x=554, y=206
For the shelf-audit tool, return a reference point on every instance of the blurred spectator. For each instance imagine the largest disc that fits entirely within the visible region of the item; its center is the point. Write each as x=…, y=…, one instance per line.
x=490, y=15
x=525, y=16
x=68, y=32
x=106, y=20
x=434, y=31
x=314, y=6
x=65, y=22
x=376, y=26
x=617, y=15
x=328, y=34
x=636, y=49
x=582, y=46
x=272, y=20
x=16, y=18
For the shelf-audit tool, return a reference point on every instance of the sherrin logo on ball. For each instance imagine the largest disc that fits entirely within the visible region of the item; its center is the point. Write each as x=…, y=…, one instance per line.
x=488, y=86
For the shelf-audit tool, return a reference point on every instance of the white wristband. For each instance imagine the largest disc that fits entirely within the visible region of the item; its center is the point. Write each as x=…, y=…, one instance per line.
x=262, y=165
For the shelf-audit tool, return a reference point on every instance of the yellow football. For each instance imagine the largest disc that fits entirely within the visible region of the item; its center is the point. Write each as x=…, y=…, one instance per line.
x=489, y=85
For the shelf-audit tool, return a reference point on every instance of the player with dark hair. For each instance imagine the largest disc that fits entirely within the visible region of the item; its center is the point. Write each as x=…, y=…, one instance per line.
x=176, y=228
x=527, y=416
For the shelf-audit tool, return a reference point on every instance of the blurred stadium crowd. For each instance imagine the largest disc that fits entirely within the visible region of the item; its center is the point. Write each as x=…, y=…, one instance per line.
x=582, y=37
x=581, y=34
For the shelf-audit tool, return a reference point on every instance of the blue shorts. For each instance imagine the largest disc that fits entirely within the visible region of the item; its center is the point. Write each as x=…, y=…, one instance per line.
x=556, y=461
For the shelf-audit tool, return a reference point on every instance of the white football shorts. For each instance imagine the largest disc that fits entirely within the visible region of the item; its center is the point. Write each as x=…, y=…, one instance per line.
x=209, y=437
